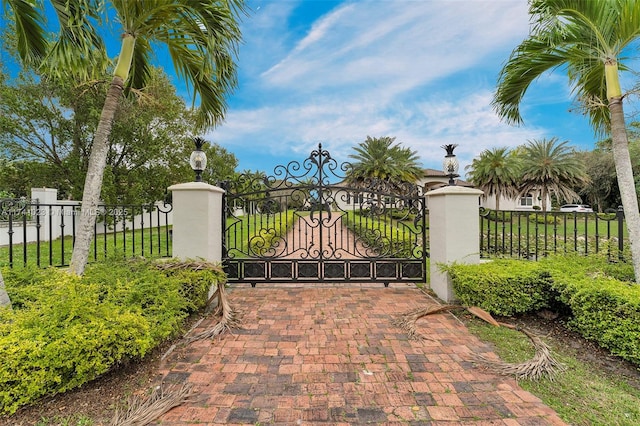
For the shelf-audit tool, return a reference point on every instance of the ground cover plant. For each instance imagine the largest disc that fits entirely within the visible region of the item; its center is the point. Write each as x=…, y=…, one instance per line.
x=65, y=331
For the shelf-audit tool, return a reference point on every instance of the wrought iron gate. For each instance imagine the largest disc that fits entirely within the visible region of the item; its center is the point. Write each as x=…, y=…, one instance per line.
x=308, y=222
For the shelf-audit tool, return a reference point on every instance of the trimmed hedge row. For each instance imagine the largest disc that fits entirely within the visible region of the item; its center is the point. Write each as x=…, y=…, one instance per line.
x=389, y=238
x=65, y=330
x=502, y=287
x=265, y=239
x=603, y=301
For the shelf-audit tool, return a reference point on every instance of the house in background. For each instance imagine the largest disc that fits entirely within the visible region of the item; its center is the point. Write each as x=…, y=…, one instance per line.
x=434, y=179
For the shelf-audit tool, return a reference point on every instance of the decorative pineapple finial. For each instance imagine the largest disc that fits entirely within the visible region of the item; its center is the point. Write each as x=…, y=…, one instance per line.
x=450, y=164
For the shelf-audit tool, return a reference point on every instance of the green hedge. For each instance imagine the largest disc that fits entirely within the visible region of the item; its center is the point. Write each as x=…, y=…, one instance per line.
x=502, y=287
x=387, y=237
x=273, y=229
x=66, y=330
x=604, y=303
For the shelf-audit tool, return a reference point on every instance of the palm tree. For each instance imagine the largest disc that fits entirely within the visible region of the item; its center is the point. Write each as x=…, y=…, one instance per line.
x=378, y=161
x=495, y=172
x=201, y=38
x=552, y=168
x=588, y=39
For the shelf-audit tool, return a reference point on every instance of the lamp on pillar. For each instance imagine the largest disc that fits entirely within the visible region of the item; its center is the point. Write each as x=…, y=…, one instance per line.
x=450, y=164
x=198, y=159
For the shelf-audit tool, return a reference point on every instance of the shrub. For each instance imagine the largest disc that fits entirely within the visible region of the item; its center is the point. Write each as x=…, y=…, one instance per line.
x=67, y=330
x=544, y=219
x=604, y=302
x=496, y=215
x=601, y=297
x=502, y=287
x=607, y=311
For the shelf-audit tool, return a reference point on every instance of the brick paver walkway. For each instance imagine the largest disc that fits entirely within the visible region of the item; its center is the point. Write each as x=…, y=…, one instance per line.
x=330, y=355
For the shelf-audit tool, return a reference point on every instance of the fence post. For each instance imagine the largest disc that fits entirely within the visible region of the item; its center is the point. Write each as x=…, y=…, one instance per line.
x=197, y=221
x=620, y=216
x=454, y=233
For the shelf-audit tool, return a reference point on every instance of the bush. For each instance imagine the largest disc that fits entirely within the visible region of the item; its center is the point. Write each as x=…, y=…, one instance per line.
x=606, y=311
x=66, y=330
x=602, y=299
x=496, y=215
x=502, y=287
x=544, y=219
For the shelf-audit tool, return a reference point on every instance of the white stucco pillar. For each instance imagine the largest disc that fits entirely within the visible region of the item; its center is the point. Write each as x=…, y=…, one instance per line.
x=45, y=195
x=49, y=213
x=454, y=233
x=197, y=221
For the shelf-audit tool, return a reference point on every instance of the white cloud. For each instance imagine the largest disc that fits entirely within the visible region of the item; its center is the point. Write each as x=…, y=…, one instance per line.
x=402, y=44
x=422, y=71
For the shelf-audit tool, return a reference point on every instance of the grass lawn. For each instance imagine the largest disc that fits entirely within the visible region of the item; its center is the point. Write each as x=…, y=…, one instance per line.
x=581, y=395
x=531, y=233
x=152, y=242
x=251, y=235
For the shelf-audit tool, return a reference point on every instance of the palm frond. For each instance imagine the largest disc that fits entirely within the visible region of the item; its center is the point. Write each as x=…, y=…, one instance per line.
x=578, y=36
x=78, y=50
x=29, y=25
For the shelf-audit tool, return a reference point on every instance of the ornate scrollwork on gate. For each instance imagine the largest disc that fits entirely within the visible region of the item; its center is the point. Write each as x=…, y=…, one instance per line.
x=312, y=218
x=13, y=208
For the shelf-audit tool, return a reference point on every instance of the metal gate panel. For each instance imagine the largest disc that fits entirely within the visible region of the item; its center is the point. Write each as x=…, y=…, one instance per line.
x=309, y=223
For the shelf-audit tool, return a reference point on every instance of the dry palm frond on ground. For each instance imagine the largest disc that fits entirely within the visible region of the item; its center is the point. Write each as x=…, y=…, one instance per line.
x=142, y=411
x=229, y=316
x=542, y=364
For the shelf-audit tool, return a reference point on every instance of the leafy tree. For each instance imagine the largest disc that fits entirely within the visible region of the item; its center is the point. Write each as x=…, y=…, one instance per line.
x=201, y=38
x=588, y=39
x=496, y=172
x=48, y=127
x=602, y=189
x=378, y=159
x=553, y=168
x=252, y=184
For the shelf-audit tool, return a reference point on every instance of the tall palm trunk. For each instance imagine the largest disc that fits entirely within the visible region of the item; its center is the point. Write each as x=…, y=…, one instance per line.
x=93, y=180
x=626, y=183
x=5, y=300
x=622, y=162
x=98, y=159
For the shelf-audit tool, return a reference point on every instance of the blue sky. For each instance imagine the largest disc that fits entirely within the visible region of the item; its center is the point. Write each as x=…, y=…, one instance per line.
x=422, y=71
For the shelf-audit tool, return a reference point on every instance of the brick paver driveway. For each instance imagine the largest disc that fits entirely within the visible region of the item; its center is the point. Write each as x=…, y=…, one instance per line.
x=330, y=355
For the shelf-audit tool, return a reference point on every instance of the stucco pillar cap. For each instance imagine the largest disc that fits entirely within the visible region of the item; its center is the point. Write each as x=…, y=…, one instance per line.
x=196, y=186
x=454, y=190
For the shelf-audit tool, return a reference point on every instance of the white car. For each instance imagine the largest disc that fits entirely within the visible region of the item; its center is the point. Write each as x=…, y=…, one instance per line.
x=581, y=208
